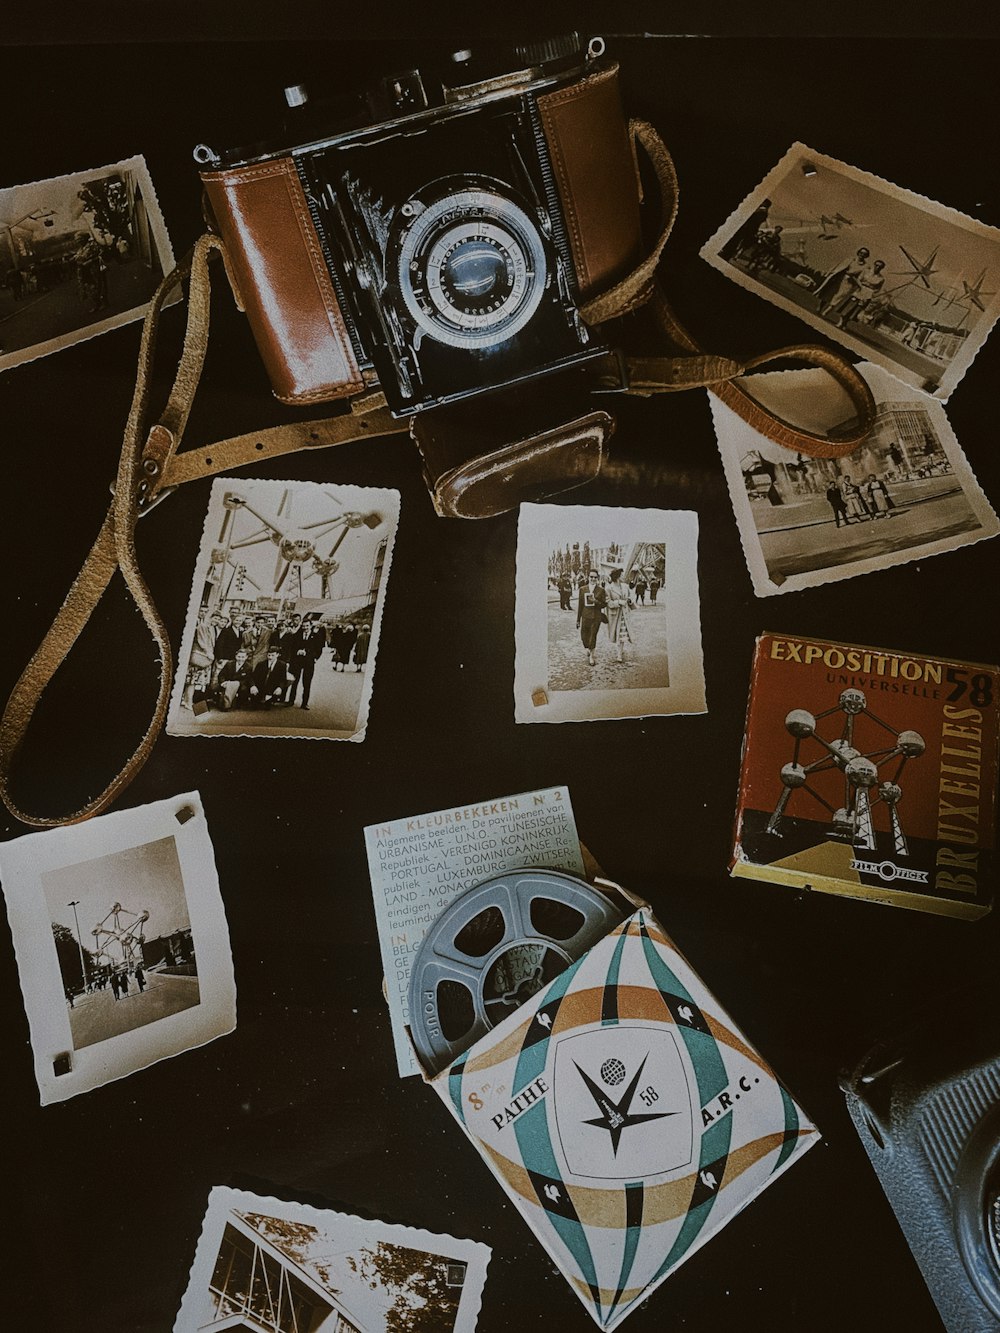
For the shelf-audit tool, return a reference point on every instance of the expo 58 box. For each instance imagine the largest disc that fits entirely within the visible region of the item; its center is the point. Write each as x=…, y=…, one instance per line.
x=625, y=1115
x=870, y=773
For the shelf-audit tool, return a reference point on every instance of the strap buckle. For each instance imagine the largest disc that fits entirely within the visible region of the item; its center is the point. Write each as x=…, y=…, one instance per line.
x=143, y=503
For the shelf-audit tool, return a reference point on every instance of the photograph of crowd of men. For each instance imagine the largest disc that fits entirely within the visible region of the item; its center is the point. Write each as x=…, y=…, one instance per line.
x=288, y=592
x=252, y=659
x=908, y=283
x=76, y=252
x=613, y=589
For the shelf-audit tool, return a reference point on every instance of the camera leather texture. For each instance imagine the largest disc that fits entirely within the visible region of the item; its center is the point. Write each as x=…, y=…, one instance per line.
x=591, y=153
x=284, y=283
x=468, y=480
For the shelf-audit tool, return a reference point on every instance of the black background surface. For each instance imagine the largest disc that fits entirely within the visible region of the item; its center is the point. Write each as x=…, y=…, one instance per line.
x=105, y=1193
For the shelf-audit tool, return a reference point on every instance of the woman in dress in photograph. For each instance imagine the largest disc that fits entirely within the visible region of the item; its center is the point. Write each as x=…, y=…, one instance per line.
x=619, y=600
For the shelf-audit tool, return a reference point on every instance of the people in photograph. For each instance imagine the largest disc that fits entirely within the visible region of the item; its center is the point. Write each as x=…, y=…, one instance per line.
x=123, y=982
x=745, y=236
x=140, y=977
x=590, y=604
x=766, y=253
x=350, y=639
x=640, y=589
x=876, y=496
x=618, y=602
x=235, y=680
x=870, y=282
x=69, y=996
x=654, y=588
x=836, y=500
x=227, y=643
x=853, y=504
x=565, y=586
x=361, y=646
x=114, y=984
x=841, y=282
x=335, y=636
x=268, y=680
x=306, y=650
x=260, y=640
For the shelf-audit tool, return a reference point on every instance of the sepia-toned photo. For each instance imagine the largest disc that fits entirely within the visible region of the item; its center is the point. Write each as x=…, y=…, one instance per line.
x=121, y=941
x=905, y=282
x=906, y=493
x=292, y=1268
x=285, y=609
x=79, y=255
x=607, y=619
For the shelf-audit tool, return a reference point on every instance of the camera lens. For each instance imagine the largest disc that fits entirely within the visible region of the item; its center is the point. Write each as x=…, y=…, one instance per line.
x=471, y=266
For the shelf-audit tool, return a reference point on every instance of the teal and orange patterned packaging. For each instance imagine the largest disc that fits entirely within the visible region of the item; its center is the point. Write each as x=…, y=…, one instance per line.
x=625, y=1115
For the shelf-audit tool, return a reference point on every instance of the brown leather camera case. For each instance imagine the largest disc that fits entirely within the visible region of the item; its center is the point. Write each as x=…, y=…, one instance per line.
x=284, y=284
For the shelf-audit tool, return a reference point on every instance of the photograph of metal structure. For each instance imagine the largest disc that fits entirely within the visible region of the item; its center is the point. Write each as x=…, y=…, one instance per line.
x=138, y=962
x=864, y=786
x=278, y=1267
x=284, y=610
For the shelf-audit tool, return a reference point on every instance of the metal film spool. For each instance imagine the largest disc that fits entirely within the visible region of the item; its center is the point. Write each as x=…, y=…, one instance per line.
x=493, y=948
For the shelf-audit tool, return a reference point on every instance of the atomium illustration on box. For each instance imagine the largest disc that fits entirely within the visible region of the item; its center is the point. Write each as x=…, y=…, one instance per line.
x=862, y=770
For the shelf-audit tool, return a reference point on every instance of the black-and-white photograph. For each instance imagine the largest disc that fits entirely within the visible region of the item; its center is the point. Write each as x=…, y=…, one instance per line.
x=121, y=940
x=79, y=254
x=265, y=1264
x=910, y=284
x=122, y=963
x=904, y=494
x=283, y=622
x=615, y=636
x=607, y=617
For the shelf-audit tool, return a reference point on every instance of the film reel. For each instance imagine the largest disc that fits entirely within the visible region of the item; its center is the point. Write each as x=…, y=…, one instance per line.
x=493, y=948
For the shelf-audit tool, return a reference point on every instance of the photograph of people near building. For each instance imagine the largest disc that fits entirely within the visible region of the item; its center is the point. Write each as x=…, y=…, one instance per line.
x=606, y=629
x=908, y=283
x=79, y=254
x=283, y=623
x=122, y=936
x=907, y=491
x=297, y=1269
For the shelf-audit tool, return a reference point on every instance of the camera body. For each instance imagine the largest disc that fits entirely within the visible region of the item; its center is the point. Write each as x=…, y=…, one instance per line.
x=443, y=242
x=927, y=1109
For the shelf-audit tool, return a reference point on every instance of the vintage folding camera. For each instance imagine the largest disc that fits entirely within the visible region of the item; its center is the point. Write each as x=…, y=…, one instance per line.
x=927, y=1108
x=442, y=242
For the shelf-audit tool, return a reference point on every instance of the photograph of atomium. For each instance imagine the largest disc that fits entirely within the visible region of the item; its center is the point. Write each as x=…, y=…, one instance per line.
x=864, y=775
x=122, y=935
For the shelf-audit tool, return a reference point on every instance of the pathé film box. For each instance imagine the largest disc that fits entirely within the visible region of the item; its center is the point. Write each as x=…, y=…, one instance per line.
x=870, y=773
x=625, y=1114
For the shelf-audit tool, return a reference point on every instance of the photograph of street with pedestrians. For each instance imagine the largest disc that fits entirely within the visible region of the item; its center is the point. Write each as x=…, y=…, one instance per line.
x=898, y=278
x=285, y=609
x=79, y=255
x=607, y=619
x=615, y=635
x=906, y=493
x=122, y=944
x=266, y=1264
x=122, y=934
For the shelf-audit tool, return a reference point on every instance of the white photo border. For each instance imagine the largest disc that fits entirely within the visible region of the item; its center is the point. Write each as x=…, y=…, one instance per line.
x=222, y=1201
x=542, y=526
x=164, y=250
x=735, y=437
x=802, y=156
x=176, y=724
x=23, y=864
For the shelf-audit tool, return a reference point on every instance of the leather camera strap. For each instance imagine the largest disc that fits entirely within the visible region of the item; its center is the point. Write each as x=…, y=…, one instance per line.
x=685, y=364
x=148, y=470
x=150, y=466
